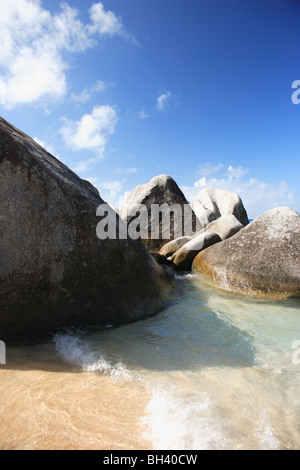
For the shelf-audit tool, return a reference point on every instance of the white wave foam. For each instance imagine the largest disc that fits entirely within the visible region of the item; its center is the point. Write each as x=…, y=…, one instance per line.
x=74, y=350
x=182, y=423
x=185, y=276
x=265, y=433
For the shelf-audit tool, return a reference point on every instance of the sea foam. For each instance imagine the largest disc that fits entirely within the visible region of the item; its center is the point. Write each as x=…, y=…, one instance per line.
x=76, y=351
x=177, y=422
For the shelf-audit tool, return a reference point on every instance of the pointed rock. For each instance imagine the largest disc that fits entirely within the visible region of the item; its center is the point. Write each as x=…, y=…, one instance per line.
x=162, y=191
x=54, y=271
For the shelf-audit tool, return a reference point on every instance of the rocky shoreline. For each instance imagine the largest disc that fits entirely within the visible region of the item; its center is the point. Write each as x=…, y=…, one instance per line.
x=260, y=259
x=55, y=272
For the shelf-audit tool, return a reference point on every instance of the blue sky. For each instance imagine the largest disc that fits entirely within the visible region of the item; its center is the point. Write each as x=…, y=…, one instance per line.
x=123, y=90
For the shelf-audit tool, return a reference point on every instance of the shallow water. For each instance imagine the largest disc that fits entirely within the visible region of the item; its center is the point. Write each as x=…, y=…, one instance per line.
x=212, y=371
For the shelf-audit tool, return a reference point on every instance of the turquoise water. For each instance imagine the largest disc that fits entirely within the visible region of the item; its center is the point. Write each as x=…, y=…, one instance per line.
x=220, y=369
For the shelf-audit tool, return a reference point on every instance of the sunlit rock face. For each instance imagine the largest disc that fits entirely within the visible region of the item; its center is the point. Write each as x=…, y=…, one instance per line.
x=213, y=203
x=225, y=226
x=183, y=258
x=262, y=259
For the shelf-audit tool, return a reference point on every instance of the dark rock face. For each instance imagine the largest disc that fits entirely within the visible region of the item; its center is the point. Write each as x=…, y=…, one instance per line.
x=262, y=259
x=54, y=271
x=160, y=190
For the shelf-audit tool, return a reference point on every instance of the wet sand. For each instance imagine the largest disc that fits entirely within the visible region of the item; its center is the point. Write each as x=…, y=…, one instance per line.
x=46, y=405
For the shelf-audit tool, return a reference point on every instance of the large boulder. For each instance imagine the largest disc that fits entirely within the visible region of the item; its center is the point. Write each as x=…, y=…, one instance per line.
x=214, y=203
x=184, y=257
x=158, y=229
x=54, y=270
x=171, y=247
x=204, y=215
x=262, y=259
x=225, y=226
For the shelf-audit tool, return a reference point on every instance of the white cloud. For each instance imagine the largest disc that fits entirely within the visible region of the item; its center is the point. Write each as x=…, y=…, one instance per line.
x=236, y=173
x=126, y=171
x=81, y=97
x=34, y=75
x=84, y=165
x=91, y=132
x=163, y=100
x=34, y=43
x=98, y=86
x=143, y=115
x=257, y=196
x=208, y=169
x=107, y=24
x=104, y=22
x=111, y=191
x=114, y=186
x=68, y=31
x=130, y=171
x=86, y=94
